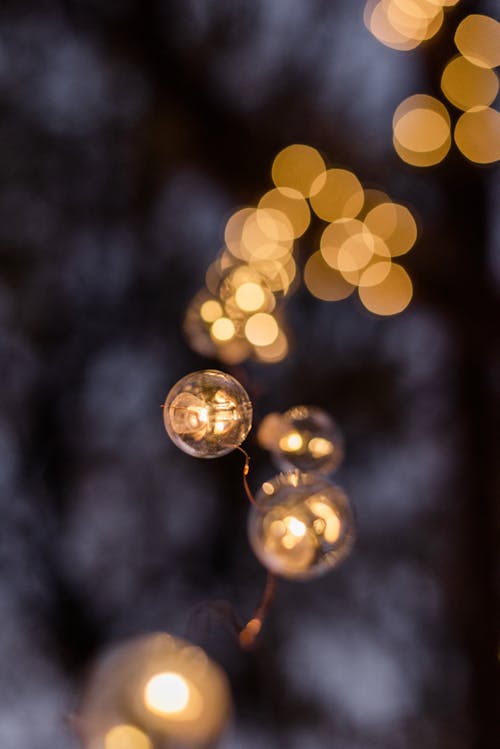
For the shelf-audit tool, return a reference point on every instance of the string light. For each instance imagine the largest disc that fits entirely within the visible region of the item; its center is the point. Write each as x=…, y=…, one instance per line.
x=155, y=687
x=301, y=525
x=207, y=414
x=304, y=437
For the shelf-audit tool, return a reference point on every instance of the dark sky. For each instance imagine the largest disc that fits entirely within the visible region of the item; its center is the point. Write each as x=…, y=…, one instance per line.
x=129, y=133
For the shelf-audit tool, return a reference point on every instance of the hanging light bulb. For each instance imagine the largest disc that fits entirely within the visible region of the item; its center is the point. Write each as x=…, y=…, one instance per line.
x=207, y=414
x=155, y=688
x=301, y=526
x=304, y=437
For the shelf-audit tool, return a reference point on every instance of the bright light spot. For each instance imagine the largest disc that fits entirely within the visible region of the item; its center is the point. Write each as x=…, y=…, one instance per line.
x=337, y=194
x=234, y=230
x=467, y=85
x=211, y=310
x=356, y=252
x=222, y=329
x=261, y=329
x=290, y=202
x=250, y=296
x=324, y=282
x=291, y=442
x=377, y=22
x=319, y=447
x=298, y=166
x=124, y=736
x=395, y=225
x=478, y=39
x=295, y=526
x=421, y=130
x=167, y=693
x=477, y=135
x=331, y=521
x=391, y=296
x=267, y=488
x=275, y=352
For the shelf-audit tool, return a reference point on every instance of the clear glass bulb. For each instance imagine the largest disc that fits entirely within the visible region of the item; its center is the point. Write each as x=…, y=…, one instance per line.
x=304, y=437
x=207, y=414
x=154, y=690
x=302, y=525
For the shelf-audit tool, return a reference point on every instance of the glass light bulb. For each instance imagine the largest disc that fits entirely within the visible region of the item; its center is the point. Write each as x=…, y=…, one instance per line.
x=302, y=525
x=163, y=685
x=207, y=414
x=304, y=437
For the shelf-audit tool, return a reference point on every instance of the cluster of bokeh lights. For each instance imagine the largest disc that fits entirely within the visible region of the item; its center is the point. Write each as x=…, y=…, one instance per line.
x=240, y=311
x=422, y=128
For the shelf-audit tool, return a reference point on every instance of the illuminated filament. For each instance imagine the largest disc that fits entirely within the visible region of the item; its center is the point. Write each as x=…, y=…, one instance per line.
x=191, y=416
x=167, y=693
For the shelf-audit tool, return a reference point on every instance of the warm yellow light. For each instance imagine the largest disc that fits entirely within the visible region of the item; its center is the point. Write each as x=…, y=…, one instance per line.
x=394, y=224
x=336, y=234
x=167, y=693
x=477, y=135
x=320, y=447
x=297, y=166
x=422, y=158
x=356, y=252
x=337, y=194
x=124, y=736
x=467, y=85
x=274, y=352
x=421, y=123
x=267, y=234
x=324, y=282
x=414, y=20
x=234, y=230
x=295, y=526
x=391, y=296
x=211, y=310
x=290, y=202
x=478, y=39
x=222, y=329
x=250, y=296
x=377, y=22
x=261, y=329
x=291, y=442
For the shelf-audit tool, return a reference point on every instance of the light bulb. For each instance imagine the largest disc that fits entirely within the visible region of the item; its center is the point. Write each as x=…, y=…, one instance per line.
x=304, y=437
x=154, y=689
x=207, y=414
x=301, y=526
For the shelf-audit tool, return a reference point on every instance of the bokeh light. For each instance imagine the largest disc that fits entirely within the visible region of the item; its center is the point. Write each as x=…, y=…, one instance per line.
x=395, y=224
x=466, y=85
x=298, y=166
x=207, y=414
x=392, y=295
x=477, y=135
x=291, y=203
x=261, y=329
x=403, y=24
x=478, y=39
x=337, y=194
x=421, y=130
x=275, y=351
x=302, y=525
x=324, y=282
x=166, y=686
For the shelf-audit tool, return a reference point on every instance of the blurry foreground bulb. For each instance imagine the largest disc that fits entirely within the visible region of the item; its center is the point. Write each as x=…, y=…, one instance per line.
x=304, y=437
x=302, y=525
x=207, y=413
x=152, y=691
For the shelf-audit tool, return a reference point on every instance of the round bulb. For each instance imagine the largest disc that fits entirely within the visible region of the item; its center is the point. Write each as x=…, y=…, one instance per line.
x=304, y=437
x=302, y=525
x=207, y=414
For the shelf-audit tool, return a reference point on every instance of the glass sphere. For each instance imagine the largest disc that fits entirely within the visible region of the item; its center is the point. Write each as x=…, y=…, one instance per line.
x=154, y=690
x=301, y=526
x=304, y=437
x=207, y=414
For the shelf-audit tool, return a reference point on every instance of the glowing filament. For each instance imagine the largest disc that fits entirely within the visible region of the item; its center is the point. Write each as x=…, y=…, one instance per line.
x=167, y=693
x=291, y=442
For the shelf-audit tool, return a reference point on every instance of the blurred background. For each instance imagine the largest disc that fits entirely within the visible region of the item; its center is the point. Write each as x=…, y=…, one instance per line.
x=129, y=133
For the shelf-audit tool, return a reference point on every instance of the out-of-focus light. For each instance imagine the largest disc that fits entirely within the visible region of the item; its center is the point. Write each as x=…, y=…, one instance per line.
x=478, y=39
x=167, y=693
x=477, y=135
x=267, y=235
x=291, y=442
x=414, y=19
x=198, y=404
x=234, y=230
x=377, y=22
x=290, y=202
x=250, y=296
x=373, y=198
x=302, y=525
x=467, y=85
x=222, y=329
x=154, y=686
x=394, y=224
x=421, y=130
x=334, y=236
x=261, y=329
x=390, y=296
x=211, y=310
x=279, y=274
x=125, y=736
x=324, y=282
x=275, y=351
x=423, y=158
x=337, y=194
x=298, y=166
